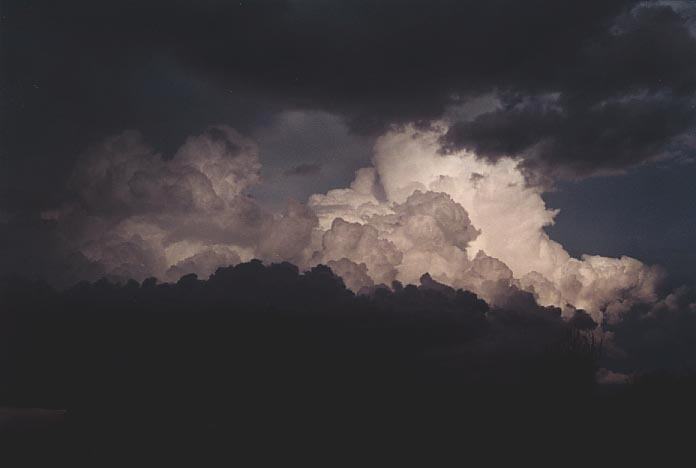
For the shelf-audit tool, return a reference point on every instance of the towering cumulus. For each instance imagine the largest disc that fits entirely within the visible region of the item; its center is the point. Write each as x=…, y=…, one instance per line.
x=477, y=225
x=468, y=222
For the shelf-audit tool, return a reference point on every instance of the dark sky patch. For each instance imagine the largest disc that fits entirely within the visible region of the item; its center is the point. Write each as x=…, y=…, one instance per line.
x=303, y=170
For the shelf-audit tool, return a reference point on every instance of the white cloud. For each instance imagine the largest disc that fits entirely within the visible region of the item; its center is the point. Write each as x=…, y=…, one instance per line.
x=142, y=215
x=489, y=198
x=469, y=223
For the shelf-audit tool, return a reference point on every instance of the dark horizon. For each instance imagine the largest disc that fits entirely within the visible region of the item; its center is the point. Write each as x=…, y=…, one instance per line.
x=200, y=368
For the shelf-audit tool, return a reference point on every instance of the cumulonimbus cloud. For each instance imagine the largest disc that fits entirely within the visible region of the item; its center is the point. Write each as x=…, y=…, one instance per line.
x=467, y=222
x=477, y=225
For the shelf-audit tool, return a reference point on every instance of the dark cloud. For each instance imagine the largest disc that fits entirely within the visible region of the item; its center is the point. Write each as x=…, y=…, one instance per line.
x=269, y=343
x=270, y=355
x=620, y=76
x=658, y=336
x=304, y=170
x=305, y=321
x=582, y=321
x=624, y=102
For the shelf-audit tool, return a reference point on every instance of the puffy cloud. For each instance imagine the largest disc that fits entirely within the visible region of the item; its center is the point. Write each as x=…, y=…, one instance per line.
x=478, y=225
x=355, y=276
x=141, y=215
x=289, y=235
x=361, y=244
x=357, y=203
x=432, y=221
x=467, y=222
x=433, y=233
x=229, y=160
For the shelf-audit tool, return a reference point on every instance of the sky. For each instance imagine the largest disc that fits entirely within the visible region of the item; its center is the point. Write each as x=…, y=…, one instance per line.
x=388, y=139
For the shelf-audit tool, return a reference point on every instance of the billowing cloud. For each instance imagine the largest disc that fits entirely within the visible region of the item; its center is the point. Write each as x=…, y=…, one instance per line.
x=141, y=215
x=464, y=221
x=478, y=225
x=361, y=243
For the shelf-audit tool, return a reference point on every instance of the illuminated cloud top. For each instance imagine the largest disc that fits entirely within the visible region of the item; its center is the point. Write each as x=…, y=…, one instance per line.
x=469, y=223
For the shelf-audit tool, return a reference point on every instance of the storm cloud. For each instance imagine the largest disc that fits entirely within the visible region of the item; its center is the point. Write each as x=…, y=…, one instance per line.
x=463, y=221
x=578, y=88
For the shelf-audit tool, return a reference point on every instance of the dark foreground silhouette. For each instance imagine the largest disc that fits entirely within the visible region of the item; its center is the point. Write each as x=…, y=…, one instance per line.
x=268, y=365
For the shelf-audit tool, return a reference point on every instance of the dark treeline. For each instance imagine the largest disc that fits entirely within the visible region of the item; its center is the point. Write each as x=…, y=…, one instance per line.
x=264, y=356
